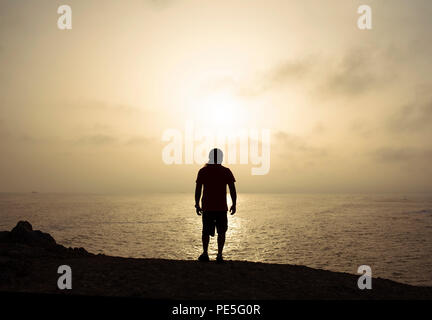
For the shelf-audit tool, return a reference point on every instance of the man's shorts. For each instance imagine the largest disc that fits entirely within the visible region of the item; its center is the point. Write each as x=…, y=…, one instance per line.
x=212, y=219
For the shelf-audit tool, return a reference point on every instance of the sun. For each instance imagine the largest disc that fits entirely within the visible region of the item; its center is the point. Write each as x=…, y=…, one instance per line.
x=220, y=110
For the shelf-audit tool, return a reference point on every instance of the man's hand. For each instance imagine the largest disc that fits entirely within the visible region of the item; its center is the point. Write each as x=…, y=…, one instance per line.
x=198, y=210
x=233, y=209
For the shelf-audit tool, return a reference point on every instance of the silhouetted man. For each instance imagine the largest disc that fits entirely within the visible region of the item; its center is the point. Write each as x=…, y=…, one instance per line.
x=214, y=177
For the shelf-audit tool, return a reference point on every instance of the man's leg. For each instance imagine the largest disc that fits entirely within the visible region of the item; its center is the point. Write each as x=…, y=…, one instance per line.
x=222, y=227
x=205, y=242
x=221, y=242
x=206, y=232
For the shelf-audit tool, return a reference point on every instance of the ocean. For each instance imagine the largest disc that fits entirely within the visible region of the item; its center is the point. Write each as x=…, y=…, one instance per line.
x=392, y=233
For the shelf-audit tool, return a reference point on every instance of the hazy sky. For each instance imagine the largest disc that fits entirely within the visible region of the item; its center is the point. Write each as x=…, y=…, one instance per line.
x=84, y=110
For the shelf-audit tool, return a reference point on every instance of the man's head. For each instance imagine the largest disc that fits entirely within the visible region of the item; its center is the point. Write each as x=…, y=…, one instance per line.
x=215, y=156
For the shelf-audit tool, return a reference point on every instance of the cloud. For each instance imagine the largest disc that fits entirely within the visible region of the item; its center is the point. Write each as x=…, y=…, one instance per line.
x=103, y=106
x=138, y=141
x=357, y=71
x=292, y=144
x=159, y=4
x=110, y=140
x=363, y=128
x=404, y=154
x=353, y=75
x=287, y=72
x=97, y=139
x=412, y=117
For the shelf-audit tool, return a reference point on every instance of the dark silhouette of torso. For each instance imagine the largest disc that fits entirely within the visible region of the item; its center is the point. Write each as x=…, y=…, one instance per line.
x=215, y=178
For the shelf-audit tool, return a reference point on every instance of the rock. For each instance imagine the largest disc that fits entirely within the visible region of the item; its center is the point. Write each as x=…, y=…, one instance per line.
x=22, y=226
x=4, y=236
x=12, y=268
x=24, y=233
x=25, y=243
x=82, y=251
x=79, y=251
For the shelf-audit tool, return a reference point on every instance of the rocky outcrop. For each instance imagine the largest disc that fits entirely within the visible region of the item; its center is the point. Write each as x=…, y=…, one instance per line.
x=33, y=242
x=24, y=233
x=22, y=248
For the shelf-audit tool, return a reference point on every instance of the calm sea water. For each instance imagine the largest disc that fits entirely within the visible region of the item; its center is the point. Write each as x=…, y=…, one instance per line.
x=391, y=233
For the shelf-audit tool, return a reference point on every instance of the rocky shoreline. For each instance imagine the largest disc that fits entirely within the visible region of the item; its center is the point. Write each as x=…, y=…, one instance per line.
x=29, y=261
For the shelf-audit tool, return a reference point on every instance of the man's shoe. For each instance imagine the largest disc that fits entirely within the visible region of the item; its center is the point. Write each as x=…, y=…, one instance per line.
x=204, y=257
x=219, y=259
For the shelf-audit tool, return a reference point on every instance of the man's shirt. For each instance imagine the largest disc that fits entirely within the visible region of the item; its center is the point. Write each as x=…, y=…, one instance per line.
x=214, y=178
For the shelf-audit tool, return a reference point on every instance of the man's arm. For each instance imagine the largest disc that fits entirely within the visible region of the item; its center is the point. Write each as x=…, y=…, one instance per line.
x=198, y=188
x=233, y=194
